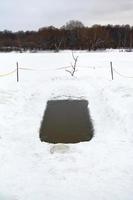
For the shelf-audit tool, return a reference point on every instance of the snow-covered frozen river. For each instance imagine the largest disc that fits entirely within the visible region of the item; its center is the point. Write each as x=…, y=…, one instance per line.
x=99, y=169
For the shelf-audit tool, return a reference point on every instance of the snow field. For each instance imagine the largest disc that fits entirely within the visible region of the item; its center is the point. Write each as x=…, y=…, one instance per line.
x=100, y=169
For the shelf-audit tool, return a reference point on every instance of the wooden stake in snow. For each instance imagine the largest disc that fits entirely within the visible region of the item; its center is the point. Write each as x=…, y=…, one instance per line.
x=17, y=73
x=111, y=66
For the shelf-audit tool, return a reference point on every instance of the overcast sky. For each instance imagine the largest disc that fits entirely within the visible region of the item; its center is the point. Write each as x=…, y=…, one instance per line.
x=33, y=14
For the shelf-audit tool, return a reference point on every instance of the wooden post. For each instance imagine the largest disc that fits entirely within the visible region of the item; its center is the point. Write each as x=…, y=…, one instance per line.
x=17, y=73
x=112, y=75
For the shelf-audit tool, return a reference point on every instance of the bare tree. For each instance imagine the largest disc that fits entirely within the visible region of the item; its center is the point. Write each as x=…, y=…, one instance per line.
x=57, y=46
x=73, y=65
x=73, y=24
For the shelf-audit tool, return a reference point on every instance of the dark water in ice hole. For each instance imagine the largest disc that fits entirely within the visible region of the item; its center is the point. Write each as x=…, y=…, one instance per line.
x=66, y=121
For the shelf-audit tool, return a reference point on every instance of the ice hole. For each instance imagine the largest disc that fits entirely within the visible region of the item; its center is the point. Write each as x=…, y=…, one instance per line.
x=66, y=121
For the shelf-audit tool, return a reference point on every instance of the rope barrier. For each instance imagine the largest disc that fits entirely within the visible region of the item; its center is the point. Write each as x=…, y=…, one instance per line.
x=121, y=74
x=60, y=68
x=43, y=69
x=26, y=68
x=7, y=74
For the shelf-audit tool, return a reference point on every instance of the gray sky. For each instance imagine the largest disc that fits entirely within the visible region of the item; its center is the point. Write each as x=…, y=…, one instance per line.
x=33, y=14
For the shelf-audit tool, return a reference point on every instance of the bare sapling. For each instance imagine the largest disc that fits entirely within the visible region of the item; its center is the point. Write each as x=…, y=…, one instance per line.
x=73, y=65
x=57, y=46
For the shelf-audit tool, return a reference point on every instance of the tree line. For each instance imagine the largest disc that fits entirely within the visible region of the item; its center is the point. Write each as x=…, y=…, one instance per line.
x=74, y=35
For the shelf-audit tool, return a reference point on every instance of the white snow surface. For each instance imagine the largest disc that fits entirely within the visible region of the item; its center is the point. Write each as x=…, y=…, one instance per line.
x=101, y=169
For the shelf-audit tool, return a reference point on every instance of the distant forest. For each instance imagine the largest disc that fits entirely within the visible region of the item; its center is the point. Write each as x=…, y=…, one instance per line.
x=74, y=35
